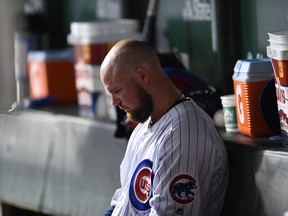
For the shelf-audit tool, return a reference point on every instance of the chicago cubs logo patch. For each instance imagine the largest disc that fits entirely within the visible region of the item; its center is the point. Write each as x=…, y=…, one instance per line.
x=182, y=188
x=140, y=190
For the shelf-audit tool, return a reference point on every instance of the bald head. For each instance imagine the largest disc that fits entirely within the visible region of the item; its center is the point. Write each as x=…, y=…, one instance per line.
x=127, y=55
x=132, y=52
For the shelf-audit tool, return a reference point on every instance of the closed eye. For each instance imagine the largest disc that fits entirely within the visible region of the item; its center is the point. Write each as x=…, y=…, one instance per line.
x=115, y=91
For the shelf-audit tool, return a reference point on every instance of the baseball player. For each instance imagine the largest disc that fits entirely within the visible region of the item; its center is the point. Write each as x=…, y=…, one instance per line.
x=175, y=162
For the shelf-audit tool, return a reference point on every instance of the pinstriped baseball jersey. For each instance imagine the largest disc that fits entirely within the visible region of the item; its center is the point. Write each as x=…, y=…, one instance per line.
x=178, y=166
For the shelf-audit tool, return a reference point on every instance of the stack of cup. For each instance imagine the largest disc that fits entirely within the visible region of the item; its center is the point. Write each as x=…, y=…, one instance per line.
x=278, y=53
x=91, y=42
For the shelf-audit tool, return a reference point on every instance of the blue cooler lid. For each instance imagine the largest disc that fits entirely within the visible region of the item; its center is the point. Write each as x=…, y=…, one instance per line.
x=253, y=70
x=51, y=55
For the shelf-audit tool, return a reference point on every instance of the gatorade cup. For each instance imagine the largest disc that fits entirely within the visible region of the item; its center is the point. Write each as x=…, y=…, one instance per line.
x=229, y=111
x=278, y=53
x=250, y=77
x=91, y=42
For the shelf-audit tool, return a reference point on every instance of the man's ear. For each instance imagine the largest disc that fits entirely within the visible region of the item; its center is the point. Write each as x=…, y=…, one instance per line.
x=143, y=74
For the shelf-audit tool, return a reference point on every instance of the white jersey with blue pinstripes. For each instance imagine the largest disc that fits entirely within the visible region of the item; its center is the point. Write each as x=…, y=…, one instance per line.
x=176, y=167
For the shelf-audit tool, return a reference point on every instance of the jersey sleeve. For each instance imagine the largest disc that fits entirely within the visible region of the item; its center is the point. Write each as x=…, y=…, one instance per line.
x=114, y=199
x=186, y=167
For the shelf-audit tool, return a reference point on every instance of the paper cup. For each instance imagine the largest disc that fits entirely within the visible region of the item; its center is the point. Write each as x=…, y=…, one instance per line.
x=229, y=111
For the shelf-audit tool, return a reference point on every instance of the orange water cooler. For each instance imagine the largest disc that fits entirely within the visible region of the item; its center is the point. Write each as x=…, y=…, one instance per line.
x=51, y=76
x=249, y=78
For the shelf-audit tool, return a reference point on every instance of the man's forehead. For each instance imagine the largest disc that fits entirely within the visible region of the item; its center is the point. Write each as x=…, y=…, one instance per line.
x=113, y=79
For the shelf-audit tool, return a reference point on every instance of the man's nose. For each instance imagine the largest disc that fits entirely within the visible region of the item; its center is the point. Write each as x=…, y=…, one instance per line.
x=115, y=101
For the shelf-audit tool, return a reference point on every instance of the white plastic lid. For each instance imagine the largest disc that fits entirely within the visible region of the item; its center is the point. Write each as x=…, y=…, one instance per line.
x=103, y=31
x=277, y=45
x=277, y=54
x=253, y=70
x=278, y=36
x=228, y=100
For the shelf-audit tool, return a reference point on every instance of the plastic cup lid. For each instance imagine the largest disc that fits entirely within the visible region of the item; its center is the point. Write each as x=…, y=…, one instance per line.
x=228, y=97
x=276, y=53
x=103, y=31
x=228, y=100
x=279, y=36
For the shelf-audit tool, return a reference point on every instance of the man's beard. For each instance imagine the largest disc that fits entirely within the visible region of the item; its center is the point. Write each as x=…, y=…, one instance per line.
x=142, y=113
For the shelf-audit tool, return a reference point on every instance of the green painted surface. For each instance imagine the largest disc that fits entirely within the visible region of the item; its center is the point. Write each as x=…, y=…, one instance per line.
x=258, y=18
x=241, y=27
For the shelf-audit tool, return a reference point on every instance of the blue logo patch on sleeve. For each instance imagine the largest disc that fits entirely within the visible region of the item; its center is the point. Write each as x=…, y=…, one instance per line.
x=140, y=190
x=182, y=189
